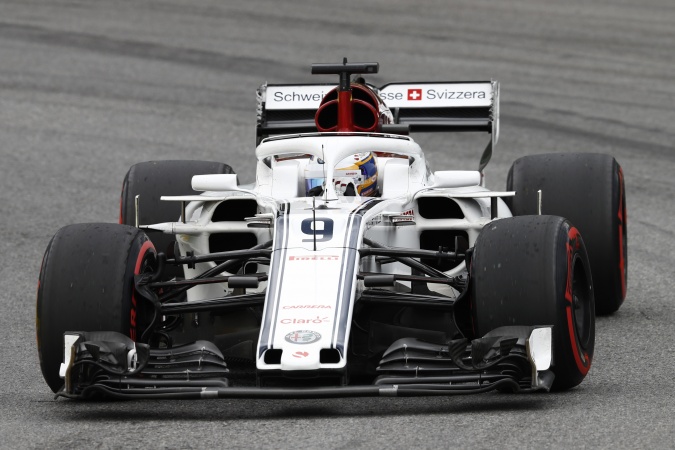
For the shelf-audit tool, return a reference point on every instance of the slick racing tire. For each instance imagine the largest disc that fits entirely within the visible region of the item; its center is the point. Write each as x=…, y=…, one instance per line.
x=588, y=190
x=534, y=270
x=151, y=180
x=87, y=284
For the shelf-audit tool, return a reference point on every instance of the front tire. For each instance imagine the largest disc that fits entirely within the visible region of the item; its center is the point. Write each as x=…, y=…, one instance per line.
x=86, y=283
x=534, y=270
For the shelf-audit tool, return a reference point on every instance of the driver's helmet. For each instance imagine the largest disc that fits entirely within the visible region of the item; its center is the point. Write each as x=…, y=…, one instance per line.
x=354, y=175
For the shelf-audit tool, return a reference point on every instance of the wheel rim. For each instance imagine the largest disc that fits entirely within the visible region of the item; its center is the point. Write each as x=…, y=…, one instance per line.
x=582, y=304
x=144, y=264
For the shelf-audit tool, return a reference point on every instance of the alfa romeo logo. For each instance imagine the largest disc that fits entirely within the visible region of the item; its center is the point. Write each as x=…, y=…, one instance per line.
x=302, y=337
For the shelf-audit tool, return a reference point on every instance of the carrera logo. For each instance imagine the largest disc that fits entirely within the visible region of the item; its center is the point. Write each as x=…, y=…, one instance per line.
x=314, y=258
x=317, y=319
x=308, y=307
x=414, y=94
x=300, y=354
x=409, y=212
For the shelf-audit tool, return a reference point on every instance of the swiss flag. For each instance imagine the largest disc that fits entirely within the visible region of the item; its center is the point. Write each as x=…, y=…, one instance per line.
x=414, y=94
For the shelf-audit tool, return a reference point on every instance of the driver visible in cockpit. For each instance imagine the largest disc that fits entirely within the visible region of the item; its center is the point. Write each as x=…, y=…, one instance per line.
x=356, y=175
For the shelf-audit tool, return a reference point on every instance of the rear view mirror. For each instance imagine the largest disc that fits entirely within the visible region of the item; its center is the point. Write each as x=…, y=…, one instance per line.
x=216, y=182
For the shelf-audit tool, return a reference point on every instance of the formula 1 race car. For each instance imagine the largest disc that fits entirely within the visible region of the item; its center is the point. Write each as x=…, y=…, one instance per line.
x=347, y=269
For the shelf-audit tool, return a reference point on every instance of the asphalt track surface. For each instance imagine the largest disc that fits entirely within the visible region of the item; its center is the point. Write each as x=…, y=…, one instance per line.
x=89, y=88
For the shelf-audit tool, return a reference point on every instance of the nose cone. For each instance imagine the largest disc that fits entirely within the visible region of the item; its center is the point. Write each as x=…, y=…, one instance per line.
x=301, y=357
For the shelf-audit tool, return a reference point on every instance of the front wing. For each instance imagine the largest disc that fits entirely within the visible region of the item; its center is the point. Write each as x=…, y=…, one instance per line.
x=107, y=364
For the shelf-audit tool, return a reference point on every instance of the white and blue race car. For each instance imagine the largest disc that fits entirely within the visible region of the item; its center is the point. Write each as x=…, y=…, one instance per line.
x=349, y=268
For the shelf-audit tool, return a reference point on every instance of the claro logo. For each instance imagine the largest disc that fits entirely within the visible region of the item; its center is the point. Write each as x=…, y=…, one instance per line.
x=315, y=320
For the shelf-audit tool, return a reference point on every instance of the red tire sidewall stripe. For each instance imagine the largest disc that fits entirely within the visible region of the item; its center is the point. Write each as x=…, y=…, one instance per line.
x=622, y=223
x=581, y=358
x=147, y=246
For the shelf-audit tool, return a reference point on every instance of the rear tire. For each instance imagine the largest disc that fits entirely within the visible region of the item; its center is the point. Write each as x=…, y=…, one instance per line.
x=534, y=270
x=153, y=179
x=87, y=284
x=588, y=190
